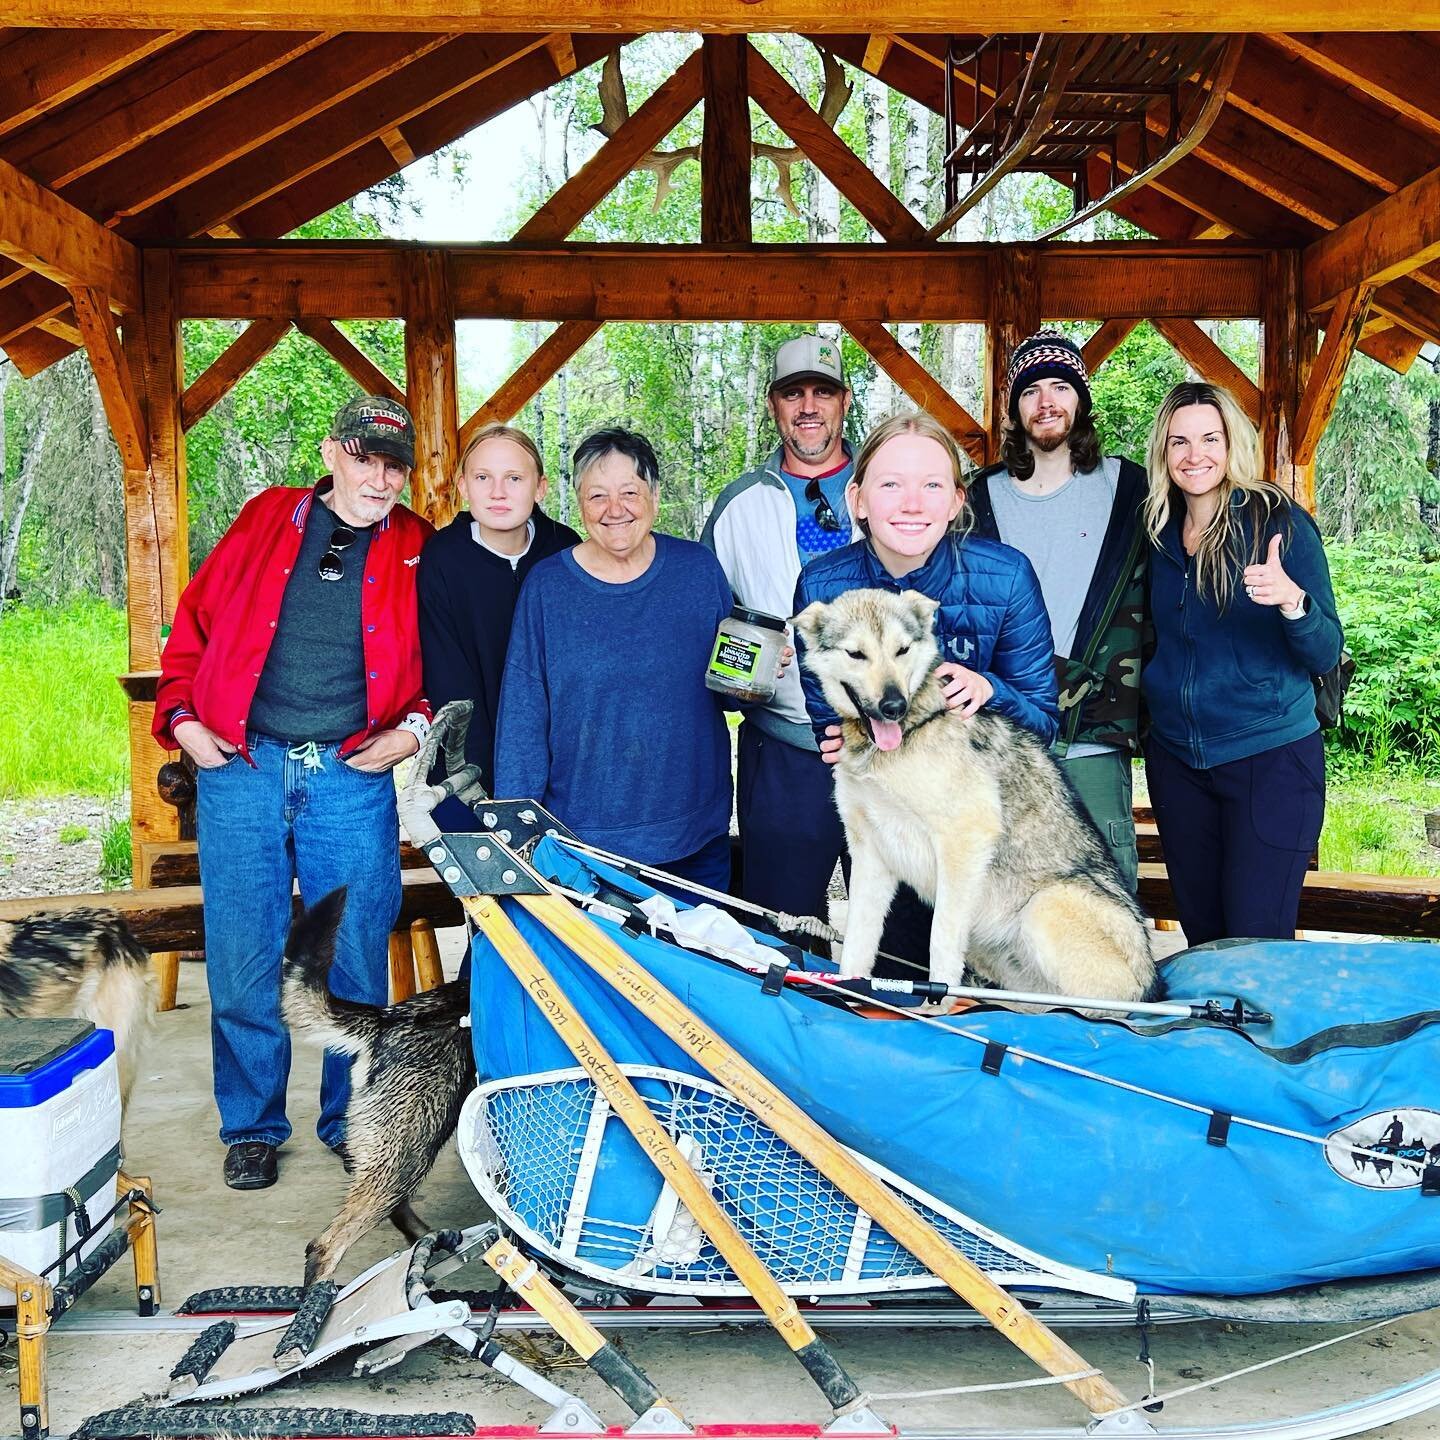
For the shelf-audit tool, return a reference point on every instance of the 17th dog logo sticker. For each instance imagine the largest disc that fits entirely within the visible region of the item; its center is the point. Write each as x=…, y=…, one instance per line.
x=1388, y=1150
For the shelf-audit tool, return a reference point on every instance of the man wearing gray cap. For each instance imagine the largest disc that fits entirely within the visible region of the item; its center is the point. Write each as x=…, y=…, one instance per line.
x=763, y=528
x=292, y=679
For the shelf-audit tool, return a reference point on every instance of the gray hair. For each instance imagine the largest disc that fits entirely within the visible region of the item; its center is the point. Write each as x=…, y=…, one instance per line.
x=614, y=440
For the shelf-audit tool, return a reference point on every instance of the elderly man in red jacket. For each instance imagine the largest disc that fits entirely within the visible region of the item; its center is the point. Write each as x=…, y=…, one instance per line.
x=292, y=679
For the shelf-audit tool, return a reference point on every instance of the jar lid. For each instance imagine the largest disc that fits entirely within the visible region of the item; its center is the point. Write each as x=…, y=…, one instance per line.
x=757, y=617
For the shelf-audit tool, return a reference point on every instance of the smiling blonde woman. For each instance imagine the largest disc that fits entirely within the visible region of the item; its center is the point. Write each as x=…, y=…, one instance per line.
x=1244, y=618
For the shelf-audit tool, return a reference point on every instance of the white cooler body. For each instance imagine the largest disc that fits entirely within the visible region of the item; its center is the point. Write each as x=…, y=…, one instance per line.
x=64, y=1146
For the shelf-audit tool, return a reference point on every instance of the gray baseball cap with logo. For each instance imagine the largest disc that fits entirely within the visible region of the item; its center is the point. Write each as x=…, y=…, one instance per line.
x=375, y=425
x=807, y=357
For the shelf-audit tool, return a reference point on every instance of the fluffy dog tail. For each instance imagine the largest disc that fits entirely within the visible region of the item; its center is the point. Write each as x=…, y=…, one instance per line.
x=305, y=995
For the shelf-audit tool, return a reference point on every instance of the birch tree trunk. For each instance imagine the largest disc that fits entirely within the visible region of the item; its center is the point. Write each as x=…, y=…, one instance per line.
x=24, y=486
x=915, y=190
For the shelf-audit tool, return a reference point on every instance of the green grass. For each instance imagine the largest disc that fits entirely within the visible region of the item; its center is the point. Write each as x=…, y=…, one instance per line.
x=116, y=861
x=1375, y=820
x=73, y=834
x=62, y=715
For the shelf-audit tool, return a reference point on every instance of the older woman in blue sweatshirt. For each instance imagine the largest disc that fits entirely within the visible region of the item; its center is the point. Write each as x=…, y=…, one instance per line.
x=1244, y=617
x=907, y=497
x=604, y=714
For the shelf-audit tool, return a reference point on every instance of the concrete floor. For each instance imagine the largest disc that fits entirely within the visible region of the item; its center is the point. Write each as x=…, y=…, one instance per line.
x=212, y=1236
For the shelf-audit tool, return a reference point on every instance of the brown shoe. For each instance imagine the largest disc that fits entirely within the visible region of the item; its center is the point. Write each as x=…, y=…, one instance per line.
x=251, y=1165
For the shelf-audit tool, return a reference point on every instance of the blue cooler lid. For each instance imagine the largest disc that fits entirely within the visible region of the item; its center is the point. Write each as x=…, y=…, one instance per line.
x=40, y=1058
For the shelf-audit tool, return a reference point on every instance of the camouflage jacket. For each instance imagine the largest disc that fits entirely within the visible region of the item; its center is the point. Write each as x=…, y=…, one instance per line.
x=1100, y=683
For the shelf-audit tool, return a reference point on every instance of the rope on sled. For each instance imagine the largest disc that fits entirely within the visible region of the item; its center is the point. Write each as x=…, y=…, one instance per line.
x=996, y=1385
x=906, y=1013
x=1150, y=1400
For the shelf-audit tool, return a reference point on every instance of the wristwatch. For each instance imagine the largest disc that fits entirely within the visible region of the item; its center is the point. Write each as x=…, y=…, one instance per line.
x=1299, y=609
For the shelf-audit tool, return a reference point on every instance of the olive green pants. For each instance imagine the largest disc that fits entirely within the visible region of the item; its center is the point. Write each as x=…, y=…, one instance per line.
x=1105, y=784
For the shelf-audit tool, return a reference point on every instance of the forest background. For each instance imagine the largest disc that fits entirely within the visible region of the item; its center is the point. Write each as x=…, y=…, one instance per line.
x=698, y=392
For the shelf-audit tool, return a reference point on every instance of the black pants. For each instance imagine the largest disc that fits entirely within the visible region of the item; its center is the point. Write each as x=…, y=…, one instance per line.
x=790, y=831
x=1237, y=837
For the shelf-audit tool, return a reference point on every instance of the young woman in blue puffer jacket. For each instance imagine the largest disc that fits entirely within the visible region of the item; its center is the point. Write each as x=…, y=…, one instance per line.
x=907, y=498
x=1244, y=618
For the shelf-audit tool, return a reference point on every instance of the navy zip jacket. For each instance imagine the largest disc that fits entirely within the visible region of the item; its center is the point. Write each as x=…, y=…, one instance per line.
x=467, y=605
x=1224, y=685
x=991, y=619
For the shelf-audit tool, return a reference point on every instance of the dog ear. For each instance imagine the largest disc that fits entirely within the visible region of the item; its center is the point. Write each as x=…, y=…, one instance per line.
x=922, y=607
x=808, y=622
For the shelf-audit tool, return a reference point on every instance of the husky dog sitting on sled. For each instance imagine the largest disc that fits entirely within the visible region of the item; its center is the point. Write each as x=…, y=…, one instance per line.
x=972, y=812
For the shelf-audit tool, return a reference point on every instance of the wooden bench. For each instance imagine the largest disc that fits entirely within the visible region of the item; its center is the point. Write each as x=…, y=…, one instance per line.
x=170, y=918
x=414, y=953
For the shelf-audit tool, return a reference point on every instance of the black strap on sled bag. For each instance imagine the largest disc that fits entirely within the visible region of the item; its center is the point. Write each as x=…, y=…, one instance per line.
x=1330, y=690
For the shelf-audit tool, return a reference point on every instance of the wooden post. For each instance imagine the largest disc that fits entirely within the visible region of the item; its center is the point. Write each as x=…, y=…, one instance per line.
x=1014, y=314
x=402, y=966
x=725, y=147
x=426, y=949
x=1287, y=353
x=430, y=382
x=157, y=549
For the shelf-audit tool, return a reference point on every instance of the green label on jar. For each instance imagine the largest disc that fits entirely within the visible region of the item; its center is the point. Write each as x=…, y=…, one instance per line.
x=734, y=659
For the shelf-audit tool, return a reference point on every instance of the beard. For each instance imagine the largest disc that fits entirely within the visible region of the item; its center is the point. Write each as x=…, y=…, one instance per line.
x=1052, y=439
x=809, y=449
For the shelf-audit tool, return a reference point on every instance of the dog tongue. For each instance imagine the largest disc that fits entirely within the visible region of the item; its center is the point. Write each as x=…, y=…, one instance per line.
x=887, y=733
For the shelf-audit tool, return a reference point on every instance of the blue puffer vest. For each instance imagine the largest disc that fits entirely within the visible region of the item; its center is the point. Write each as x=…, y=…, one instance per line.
x=991, y=619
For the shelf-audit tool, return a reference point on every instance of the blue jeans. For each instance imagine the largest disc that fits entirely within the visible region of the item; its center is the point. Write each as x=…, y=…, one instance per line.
x=290, y=816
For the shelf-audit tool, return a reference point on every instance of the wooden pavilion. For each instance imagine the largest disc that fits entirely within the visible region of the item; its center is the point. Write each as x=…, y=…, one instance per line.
x=152, y=151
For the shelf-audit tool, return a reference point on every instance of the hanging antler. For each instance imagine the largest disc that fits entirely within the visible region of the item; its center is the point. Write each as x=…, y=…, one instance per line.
x=615, y=111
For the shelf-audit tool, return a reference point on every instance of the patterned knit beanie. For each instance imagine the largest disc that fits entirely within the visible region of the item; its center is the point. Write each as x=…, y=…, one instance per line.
x=1046, y=355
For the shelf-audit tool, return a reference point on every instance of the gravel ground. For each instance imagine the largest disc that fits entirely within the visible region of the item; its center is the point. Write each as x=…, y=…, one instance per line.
x=32, y=859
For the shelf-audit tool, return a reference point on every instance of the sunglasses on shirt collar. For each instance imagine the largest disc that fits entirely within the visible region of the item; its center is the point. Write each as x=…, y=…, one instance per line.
x=825, y=516
x=332, y=562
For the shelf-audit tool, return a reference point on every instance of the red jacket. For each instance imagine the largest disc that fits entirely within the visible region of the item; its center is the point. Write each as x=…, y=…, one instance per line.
x=226, y=619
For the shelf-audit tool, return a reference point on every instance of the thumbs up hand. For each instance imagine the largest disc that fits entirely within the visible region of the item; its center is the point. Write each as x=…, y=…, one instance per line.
x=1268, y=584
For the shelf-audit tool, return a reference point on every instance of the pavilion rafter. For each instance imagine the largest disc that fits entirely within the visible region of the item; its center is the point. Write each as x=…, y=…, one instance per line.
x=112, y=375
x=1322, y=390
x=530, y=376
x=1403, y=80
x=39, y=76
x=1210, y=362
x=721, y=16
x=148, y=100
x=351, y=358
x=290, y=157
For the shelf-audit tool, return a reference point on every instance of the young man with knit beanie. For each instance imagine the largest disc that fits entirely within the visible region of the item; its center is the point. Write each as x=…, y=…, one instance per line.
x=1075, y=514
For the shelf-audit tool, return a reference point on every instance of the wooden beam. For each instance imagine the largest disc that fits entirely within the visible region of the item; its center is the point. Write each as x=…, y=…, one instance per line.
x=1347, y=128
x=1393, y=238
x=721, y=16
x=428, y=132
x=245, y=351
x=831, y=155
x=1118, y=279
x=562, y=50
x=430, y=382
x=1393, y=346
x=243, y=122
x=1287, y=339
x=167, y=90
x=877, y=47
x=1400, y=75
x=1317, y=403
x=1111, y=335
x=1015, y=311
x=395, y=142
x=922, y=387
x=725, y=145
x=351, y=359
x=305, y=147
x=531, y=376
x=667, y=106
x=112, y=375
x=43, y=233
x=1211, y=363
x=43, y=69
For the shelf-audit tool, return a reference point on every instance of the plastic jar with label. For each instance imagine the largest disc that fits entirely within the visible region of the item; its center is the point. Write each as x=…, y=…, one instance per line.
x=746, y=657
